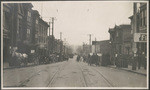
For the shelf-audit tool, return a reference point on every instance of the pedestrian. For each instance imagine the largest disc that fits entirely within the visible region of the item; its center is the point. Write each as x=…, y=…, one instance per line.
x=78, y=58
x=96, y=60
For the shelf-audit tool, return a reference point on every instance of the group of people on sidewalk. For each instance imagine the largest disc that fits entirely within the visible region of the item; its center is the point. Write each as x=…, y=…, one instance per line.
x=90, y=59
x=122, y=61
x=18, y=59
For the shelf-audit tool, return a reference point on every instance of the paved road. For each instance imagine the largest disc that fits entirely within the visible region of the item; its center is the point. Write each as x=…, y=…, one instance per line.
x=71, y=74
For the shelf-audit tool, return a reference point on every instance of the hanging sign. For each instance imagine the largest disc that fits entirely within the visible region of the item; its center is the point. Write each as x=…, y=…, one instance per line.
x=140, y=37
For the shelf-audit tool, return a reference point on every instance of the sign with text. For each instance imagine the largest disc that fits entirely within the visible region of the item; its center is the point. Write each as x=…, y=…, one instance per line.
x=140, y=37
x=32, y=51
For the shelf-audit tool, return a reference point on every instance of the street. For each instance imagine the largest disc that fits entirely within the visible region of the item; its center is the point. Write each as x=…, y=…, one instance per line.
x=71, y=74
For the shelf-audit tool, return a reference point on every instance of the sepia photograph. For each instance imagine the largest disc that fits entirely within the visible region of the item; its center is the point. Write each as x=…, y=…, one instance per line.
x=75, y=44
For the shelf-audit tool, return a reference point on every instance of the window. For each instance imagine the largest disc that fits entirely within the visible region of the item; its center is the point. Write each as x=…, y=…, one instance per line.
x=20, y=28
x=29, y=14
x=37, y=21
x=145, y=17
x=141, y=19
x=28, y=31
x=28, y=19
x=117, y=34
x=6, y=20
x=120, y=49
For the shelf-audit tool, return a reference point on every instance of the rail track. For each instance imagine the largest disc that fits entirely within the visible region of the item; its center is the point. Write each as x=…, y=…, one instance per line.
x=108, y=81
x=83, y=76
x=54, y=75
x=104, y=78
x=24, y=82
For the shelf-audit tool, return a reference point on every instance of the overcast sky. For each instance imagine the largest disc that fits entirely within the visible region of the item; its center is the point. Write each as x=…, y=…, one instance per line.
x=77, y=19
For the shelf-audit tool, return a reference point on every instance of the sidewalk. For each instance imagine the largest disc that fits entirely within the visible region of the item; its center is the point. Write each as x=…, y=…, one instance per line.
x=141, y=71
x=6, y=65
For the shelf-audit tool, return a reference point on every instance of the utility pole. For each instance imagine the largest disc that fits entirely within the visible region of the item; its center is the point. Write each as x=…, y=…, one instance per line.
x=49, y=28
x=90, y=42
x=95, y=45
x=49, y=48
x=60, y=46
x=134, y=44
x=41, y=10
x=53, y=33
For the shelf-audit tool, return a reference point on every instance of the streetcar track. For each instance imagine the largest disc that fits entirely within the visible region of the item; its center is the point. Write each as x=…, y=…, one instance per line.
x=28, y=79
x=107, y=81
x=53, y=77
x=24, y=82
x=110, y=84
x=85, y=82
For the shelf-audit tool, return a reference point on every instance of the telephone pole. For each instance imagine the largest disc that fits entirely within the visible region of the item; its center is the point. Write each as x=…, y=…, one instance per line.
x=90, y=41
x=49, y=28
x=95, y=45
x=53, y=18
x=49, y=47
x=134, y=44
x=61, y=44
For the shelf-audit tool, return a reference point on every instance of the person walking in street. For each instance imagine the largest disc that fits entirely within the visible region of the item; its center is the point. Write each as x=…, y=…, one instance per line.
x=78, y=58
x=96, y=60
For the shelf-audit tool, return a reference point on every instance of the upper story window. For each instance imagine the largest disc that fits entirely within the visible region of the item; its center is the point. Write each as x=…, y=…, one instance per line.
x=37, y=21
x=145, y=17
x=117, y=34
x=29, y=14
x=28, y=31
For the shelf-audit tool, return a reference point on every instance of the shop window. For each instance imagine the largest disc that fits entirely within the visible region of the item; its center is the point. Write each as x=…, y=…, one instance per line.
x=6, y=20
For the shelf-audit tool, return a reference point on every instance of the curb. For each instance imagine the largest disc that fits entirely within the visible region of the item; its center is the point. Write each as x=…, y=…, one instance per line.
x=129, y=71
x=134, y=72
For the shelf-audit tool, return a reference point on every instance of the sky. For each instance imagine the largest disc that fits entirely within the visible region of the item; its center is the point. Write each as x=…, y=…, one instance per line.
x=77, y=19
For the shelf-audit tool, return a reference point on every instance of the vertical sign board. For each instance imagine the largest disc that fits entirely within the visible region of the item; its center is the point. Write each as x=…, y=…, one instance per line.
x=140, y=37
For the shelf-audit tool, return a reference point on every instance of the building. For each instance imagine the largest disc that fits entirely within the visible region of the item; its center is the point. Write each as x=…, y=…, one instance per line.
x=42, y=34
x=120, y=40
x=7, y=30
x=139, y=33
x=35, y=28
x=49, y=44
x=13, y=27
x=86, y=49
x=25, y=44
x=102, y=48
x=23, y=29
x=27, y=22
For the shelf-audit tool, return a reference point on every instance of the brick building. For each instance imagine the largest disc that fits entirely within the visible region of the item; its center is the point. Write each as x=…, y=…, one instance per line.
x=103, y=48
x=139, y=33
x=7, y=30
x=42, y=34
x=35, y=28
x=22, y=28
x=86, y=49
x=120, y=40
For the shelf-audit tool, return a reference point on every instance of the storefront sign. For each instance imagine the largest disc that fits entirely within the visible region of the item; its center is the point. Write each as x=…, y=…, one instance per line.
x=140, y=37
x=32, y=51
